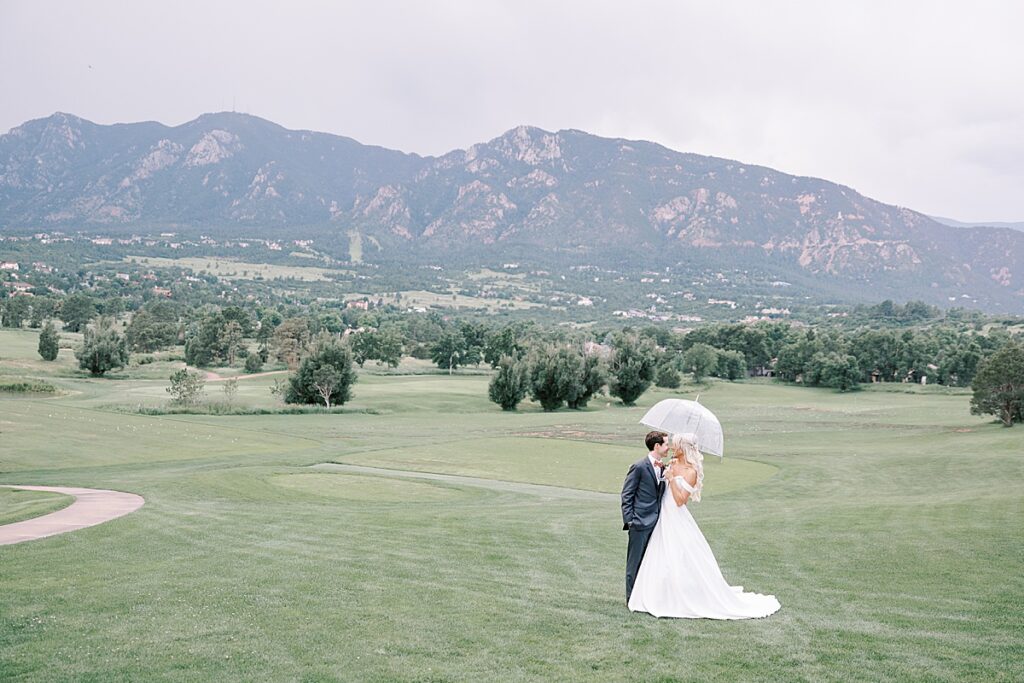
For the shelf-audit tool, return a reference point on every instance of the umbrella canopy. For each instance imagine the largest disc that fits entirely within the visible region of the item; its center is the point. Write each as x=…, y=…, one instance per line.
x=679, y=416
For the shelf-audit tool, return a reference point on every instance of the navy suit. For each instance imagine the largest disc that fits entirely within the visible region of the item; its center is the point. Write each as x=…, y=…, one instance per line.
x=641, y=503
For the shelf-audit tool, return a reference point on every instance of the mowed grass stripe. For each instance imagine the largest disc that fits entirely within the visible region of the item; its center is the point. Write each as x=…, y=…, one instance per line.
x=553, y=462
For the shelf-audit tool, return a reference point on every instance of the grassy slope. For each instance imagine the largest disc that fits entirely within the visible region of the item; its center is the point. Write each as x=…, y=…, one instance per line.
x=888, y=524
x=16, y=505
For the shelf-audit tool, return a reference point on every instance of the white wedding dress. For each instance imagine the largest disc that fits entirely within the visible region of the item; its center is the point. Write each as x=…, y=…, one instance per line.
x=679, y=576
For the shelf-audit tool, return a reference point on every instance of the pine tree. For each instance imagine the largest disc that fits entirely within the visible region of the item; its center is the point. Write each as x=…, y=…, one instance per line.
x=632, y=368
x=509, y=386
x=104, y=349
x=49, y=340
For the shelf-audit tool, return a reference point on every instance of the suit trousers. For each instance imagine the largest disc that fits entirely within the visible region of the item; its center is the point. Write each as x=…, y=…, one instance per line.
x=638, y=539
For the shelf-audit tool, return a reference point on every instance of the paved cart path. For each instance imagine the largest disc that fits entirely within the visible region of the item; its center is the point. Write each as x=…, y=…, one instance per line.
x=91, y=507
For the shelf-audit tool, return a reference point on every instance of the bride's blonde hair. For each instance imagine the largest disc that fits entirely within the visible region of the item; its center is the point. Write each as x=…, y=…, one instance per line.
x=686, y=444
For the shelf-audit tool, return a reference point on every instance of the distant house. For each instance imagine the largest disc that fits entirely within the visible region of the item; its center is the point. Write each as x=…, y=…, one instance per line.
x=361, y=305
x=9, y=265
x=162, y=291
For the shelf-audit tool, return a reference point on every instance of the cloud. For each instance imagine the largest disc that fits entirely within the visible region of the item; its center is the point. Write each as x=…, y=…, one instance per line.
x=915, y=103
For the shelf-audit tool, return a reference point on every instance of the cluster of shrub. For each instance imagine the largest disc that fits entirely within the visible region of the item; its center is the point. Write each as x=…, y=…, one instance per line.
x=570, y=375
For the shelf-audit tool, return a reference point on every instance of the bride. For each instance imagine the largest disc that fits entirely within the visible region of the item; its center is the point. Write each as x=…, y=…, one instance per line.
x=679, y=576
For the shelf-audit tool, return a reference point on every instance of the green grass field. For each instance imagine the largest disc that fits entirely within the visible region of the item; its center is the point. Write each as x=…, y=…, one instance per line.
x=232, y=269
x=16, y=505
x=440, y=539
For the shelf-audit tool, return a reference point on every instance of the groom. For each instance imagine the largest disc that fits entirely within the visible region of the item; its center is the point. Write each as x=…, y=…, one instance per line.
x=641, y=497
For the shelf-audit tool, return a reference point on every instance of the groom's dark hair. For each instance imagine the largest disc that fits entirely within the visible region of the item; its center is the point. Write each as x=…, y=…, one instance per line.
x=653, y=439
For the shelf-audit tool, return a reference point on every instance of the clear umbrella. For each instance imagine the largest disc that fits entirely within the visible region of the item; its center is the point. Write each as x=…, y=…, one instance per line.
x=679, y=416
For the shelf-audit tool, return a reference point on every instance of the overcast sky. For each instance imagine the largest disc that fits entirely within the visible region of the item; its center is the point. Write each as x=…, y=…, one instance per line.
x=915, y=103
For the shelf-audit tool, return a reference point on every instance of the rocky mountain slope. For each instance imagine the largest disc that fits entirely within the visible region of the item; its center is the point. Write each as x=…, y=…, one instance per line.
x=528, y=191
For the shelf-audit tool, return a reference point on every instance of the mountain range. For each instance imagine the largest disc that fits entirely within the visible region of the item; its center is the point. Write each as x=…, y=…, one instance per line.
x=1015, y=225
x=559, y=197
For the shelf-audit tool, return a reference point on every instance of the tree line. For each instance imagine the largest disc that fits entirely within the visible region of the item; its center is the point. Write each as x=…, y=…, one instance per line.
x=555, y=367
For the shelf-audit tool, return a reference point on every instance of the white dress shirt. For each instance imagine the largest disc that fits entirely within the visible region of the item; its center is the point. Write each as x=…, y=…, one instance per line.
x=654, y=463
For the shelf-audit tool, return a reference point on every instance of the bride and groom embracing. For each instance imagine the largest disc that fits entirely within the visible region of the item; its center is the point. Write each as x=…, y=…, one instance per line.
x=670, y=569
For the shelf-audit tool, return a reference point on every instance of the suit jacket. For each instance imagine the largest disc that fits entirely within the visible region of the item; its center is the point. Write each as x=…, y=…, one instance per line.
x=641, y=496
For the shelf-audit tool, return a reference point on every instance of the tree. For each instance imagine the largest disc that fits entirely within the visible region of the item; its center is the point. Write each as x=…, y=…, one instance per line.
x=731, y=365
x=186, y=387
x=958, y=366
x=564, y=374
x=240, y=316
x=700, y=360
x=76, y=311
x=43, y=307
x=112, y=306
x=877, y=351
x=152, y=328
x=49, y=345
x=324, y=380
x=474, y=337
x=999, y=385
x=795, y=356
x=104, y=349
x=16, y=309
x=839, y=371
x=290, y=340
x=450, y=351
x=230, y=389
x=269, y=320
x=389, y=346
x=752, y=342
x=631, y=369
x=331, y=322
x=501, y=343
x=328, y=353
x=510, y=385
x=231, y=341
x=253, y=363
x=205, y=342
x=583, y=376
x=546, y=378
x=668, y=376
x=364, y=346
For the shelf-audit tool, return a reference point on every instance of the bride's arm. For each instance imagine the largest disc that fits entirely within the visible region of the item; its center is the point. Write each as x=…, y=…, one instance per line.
x=679, y=494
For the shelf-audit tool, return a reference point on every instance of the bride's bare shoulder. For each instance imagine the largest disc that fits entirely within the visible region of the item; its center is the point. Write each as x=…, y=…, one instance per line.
x=689, y=474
